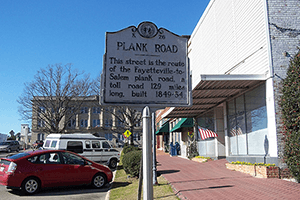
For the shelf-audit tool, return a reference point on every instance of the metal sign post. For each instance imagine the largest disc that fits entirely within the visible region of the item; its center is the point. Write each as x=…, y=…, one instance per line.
x=147, y=156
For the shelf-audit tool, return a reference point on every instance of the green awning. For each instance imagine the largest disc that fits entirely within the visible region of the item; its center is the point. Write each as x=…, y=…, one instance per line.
x=184, y=122
x=163, y=129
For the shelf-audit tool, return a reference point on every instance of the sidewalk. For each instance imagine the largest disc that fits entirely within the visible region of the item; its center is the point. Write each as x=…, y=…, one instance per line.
x=211, y=180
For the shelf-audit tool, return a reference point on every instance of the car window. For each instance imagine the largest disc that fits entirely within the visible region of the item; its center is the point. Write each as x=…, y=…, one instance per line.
x=105, y=145
x=53, y=144
x=75, y=146
x=47, y=158
x=88, y=144
x=72, y=159
x=19, y=155
x=47, y=143
x=96, y=144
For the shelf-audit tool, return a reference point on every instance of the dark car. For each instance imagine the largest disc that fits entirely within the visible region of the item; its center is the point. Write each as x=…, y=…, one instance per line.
x=9, y=146
x=33, y=170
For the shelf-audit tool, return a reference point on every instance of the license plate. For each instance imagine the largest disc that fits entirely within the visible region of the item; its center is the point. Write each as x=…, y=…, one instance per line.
x=1, y=169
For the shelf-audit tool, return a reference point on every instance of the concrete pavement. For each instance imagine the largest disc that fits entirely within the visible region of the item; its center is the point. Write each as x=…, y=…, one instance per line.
x=212, y=180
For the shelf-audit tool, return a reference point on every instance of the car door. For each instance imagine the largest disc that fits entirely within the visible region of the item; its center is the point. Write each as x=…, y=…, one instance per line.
x=97, y=151
x=87, y=150
x=50, y=169
x=77, y=170
x=106, y=154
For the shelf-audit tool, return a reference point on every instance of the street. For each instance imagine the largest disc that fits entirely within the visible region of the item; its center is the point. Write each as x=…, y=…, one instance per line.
x=78, y=192
x=70, y=193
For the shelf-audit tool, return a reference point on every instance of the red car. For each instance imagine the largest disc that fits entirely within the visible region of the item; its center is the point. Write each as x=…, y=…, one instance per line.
x=30, y=171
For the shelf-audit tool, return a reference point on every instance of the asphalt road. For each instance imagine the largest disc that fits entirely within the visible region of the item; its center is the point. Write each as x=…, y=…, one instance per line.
x=70, y=193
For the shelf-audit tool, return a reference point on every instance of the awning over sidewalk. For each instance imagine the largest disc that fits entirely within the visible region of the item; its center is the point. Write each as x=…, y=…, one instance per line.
x=212, y=90
x=184, y=122
x=163, y=129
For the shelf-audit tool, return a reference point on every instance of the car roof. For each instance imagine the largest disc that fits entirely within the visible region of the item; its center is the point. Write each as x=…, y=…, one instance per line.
x=36, y=152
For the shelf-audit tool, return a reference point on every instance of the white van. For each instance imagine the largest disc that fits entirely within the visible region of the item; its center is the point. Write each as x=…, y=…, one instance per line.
x=94, y=148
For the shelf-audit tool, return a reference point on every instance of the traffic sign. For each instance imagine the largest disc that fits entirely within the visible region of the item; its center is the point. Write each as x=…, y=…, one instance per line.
x=126, y=134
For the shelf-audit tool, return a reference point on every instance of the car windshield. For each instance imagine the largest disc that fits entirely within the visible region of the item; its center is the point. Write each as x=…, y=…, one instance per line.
x=19, y=155
x=4, y=143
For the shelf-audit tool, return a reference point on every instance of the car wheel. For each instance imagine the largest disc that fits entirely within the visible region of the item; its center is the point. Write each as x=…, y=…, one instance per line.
x=113, y=163
x=30, y=185
x=8, y=150
x=99, y=180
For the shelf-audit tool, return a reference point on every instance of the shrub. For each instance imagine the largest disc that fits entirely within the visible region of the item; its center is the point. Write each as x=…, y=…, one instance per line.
x=290, y=108
x=131, y=162
x=128, y=148
x=193, y=152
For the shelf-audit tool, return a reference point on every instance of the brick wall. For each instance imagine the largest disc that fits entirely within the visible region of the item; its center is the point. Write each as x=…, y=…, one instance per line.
x=261, y=171
x=284, y=17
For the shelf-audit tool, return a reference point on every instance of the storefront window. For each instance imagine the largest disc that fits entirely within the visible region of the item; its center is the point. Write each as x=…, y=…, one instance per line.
x=247, y=122
x=256, y=109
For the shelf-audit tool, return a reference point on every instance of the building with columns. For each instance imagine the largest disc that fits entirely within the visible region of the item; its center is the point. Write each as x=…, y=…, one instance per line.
x=91, y=118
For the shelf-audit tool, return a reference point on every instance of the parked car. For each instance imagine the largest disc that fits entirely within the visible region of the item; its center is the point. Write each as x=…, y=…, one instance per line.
x=32, y=170
x=37, y=144
x=94, y=148
x=9, y=146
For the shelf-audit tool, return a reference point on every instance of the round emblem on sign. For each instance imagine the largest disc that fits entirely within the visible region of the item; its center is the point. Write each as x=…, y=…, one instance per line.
x=147, y=29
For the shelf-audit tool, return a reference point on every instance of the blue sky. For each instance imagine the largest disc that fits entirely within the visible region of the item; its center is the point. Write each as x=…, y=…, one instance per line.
x=36, y=33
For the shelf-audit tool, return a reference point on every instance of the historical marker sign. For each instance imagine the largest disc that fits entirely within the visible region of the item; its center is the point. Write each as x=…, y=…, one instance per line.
x=147, y=66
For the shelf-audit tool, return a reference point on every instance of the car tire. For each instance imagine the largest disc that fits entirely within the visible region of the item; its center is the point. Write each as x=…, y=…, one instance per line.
x=30, y=186
x=113, y=163
x=99, y=180
x=8, y=150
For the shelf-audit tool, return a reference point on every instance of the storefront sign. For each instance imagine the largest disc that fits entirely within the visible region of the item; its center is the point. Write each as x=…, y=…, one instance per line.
x=147, y=66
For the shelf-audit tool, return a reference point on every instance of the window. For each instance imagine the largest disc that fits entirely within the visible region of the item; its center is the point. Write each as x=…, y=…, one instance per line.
x=108, y=136
x=48, y=158
x=53, y=144
x=84, y=110
x=256, y=112
x=96, y=110
x=120, y=137
x=96, y=144
x=41, y=123
x=105, y=145
x=108, y=123
x=41, y=136
x=47, y=143
x=83, y=123
x=120, y=123
x=75, y=146
x=96, y=122
x=41, y=109
x=136, y=137
x=138, y=124
x=72, y=159
x=72, y=123
x=87, y=144
x=247, y=122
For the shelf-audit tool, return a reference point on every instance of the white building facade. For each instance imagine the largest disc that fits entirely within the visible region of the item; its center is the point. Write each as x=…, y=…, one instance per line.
x=239, y=53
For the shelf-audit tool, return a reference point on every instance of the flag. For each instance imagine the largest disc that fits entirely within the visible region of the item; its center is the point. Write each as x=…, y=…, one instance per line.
x=206, y=133
x=236, y=131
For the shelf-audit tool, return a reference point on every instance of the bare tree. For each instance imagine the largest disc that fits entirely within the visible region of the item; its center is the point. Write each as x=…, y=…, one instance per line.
x=54, y=97
x=128, y=118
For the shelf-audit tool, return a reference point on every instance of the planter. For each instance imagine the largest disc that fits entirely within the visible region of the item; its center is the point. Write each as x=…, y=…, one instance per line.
x=255, y=170
x=201, y=160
